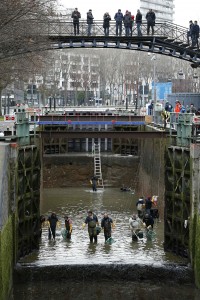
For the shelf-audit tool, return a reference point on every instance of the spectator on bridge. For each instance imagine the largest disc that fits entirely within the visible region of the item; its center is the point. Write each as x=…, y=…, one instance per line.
x=52, y=225
x=138, y=22
x=189, y=32
x=127, y=23
x=106, y=23
x=191, y=109
x=118, y=18
x=195, y=34
x=165, y=115
x=183, y=109
x=150, y=109
x=168, y=106
x=177, y=107
x=131, y=23
x=150, y=17
x=90, y=19
x=76, y=16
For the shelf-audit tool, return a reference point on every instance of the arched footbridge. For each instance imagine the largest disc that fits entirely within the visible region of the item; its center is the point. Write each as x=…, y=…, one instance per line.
x=168, y=39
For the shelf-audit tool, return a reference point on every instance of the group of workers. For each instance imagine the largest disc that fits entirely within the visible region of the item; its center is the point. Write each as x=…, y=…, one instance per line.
x=145, y=219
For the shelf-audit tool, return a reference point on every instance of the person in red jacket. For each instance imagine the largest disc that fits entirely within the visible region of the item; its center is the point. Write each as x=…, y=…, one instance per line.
x=177, y=107
x=131, y=23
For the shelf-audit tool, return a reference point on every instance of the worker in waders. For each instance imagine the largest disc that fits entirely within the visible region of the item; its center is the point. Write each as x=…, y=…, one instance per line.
x=92, y=222
x=135, y=225
x=52, y=220
x=68, y=227
x=94, y=182
x=107, y=225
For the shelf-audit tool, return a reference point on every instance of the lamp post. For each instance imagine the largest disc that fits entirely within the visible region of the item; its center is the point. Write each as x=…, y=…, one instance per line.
x=154, y=78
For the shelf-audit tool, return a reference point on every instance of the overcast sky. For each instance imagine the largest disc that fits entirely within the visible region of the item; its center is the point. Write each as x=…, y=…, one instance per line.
x=184, y=10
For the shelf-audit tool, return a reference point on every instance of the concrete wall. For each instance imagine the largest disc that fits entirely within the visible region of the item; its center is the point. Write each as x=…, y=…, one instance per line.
x=152, y=167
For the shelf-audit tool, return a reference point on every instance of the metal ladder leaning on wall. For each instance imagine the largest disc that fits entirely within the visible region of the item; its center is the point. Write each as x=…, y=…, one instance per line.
x=97, y=165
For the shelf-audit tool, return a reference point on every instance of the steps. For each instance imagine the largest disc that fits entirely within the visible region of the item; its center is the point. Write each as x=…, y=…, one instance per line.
x=97, y=165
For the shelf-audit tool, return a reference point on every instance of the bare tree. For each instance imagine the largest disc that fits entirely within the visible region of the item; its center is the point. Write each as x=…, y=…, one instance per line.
x=20, y=43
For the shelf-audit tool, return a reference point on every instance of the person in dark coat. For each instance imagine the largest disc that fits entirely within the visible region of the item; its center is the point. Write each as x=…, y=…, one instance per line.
x=195, y=34
x=148, y=221
x=52, y=225
x=90, y=21
x=138, y=20
x=94, y=181
x=76, y=16
x=106, y=23
x=127, y=23
x=118, y=18
x=106, y=225
x=148, y=205
x=189, y=31
x=168, y=107
x=151, y=18
x=68, y=227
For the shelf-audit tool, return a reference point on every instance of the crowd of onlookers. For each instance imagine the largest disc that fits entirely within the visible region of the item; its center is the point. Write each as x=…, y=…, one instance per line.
x=193, y=34
x=127, y=20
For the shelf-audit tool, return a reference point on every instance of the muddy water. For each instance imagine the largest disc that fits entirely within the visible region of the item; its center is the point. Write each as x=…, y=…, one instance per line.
x=120, y=205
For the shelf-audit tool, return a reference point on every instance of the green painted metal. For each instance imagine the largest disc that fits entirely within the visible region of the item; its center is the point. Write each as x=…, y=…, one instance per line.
x=184, y=129
x=22, y=127
x=28, y=200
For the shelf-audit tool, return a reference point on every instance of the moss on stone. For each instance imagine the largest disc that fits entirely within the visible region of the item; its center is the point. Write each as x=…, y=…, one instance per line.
x=6, y=259
x=195, y=247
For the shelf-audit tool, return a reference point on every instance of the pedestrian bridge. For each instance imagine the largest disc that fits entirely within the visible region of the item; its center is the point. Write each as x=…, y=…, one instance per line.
x=169, y=39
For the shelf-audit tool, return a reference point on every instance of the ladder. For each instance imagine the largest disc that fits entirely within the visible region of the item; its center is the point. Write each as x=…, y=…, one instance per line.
x=97, y=165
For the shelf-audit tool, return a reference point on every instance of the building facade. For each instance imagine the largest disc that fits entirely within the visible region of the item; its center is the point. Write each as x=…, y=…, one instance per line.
x=164, y=9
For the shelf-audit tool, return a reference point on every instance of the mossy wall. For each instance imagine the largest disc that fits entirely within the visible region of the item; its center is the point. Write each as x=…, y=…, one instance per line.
x=6, y=259
x=197, y=252
x=195, y=211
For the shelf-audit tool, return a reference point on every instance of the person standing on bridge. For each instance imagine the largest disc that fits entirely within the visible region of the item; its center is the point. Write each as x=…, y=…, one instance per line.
x=151, y=18
x=118, y=18
x=132, y=23
x=189, y=31
x=106, y=23
x=90, y=19
x=195, y=34
x=76, y=16
x=127, y=23
x=138, y=21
